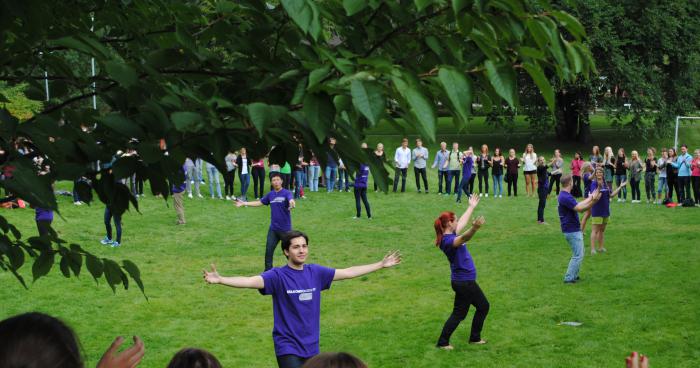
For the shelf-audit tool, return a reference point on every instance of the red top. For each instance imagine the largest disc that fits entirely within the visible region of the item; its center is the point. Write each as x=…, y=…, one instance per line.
x=576, y=167
x=258, y=163
x=695, y=166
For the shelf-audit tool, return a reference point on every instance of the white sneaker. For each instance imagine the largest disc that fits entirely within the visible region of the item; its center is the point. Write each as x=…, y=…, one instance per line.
x=200, y=196
x=487, y=195
x=228, y=198
x=481, y=194
x=189, y=195
x=593, y=252
x=619, y=200
x=500, y=196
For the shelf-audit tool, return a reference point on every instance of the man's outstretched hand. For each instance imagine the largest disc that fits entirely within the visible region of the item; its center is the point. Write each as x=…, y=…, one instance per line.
x=128, y=358
x=391, y=259
x=212, y=277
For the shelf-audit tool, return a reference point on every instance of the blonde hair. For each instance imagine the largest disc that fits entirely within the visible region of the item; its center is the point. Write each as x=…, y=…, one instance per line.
x=586, y=167
x=635, y=155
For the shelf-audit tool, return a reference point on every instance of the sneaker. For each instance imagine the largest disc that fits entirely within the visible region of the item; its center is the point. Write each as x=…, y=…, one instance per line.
x=602, y=250
x=228, y=198
x=593, y=252
x=418, y=190
x=355, y=217
x=439, y=193
x=487, y=195
x=446, y=347
x=200, y=196
x=426, y=192
x=189, y=195
x=481, y=194
x=106, y=241
x=115, y=244
x=369, y=218
x=480, y=342
x=619, y=200
x=569, y=281
x=191, y=182
x=500, y=196
x=78, y=203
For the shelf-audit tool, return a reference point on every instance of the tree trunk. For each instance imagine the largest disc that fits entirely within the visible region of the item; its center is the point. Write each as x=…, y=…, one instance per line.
x=572, y=120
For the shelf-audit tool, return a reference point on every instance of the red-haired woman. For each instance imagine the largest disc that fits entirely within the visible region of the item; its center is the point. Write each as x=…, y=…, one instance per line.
x=453, y=243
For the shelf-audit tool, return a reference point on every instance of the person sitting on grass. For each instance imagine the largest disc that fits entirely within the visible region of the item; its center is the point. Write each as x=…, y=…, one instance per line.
x=296, y=296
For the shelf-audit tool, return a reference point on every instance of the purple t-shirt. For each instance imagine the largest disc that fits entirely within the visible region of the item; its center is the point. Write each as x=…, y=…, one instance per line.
x=362, y=177
x=567, y=215
x=43, y=214
x=280, y=218
x=461, y=262
x=467, y=167
x=602, y=207
x=182, y=186
x=296, y=305
x=586, y=185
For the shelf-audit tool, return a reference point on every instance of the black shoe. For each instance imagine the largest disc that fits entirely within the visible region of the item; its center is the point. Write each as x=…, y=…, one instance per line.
x=570, y=282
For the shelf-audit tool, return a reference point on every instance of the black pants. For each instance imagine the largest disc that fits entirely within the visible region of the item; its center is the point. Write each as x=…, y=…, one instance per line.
x=442, y=174
x=556, y=178
x=683, y=188
x=229, y=179
x=636, y=193
x=672, y=183
x=470, y=188
x=542, y=194
x=421, y=172
x=696, y=188
x=466, y=293
x=139, y=184
x=117, y=224
x=513, y=184
x=649, y=186
x=403, y=173
x=483, y=176
x=273, y=237
x=44, y=227
x=258, y=174
x=290, y=361
x=577, y=187
x=361, y=193
x=452, y=175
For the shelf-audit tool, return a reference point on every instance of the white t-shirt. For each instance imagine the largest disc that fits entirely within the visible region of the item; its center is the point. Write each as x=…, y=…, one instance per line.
x=530, y=161
x=244, y=167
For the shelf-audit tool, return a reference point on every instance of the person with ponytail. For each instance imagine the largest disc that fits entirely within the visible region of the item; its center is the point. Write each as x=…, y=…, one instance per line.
x=451, y=239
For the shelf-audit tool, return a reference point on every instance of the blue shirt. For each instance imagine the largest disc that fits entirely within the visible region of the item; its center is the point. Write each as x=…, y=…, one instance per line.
x=440, y=159
x=567, y=214
x=602, y=207
x=362, y=176
x=461, y=262
x=280, y=217
x=296, y=306
x=682, y=163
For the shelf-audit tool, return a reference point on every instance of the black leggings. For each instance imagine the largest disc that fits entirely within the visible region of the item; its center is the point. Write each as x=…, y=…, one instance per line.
x=513, y=183
x=229, y=179
x=361, y=193
x=696, y=188
x=649, y=186
x=290, y=361
x=542, y=194
x=671, y=182
x=577, y=185
x=483, y=176
x=258, y=174
x=44, y=227
x=636, y=193
x=466, y=293
x=421, y=172
x=470, y=188
x=556, y=178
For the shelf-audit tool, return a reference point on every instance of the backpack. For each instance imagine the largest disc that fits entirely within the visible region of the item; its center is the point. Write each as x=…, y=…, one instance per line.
x=688, y=202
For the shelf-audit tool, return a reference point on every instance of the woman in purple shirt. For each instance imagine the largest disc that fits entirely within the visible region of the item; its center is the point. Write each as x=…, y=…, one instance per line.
x=296, y=296
x=600, y=212
x=360, y=190
x=453, y=243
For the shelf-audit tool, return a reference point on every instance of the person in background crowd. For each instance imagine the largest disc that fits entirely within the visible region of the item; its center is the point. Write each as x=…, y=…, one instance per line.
x=621, y=166
x=34, y=340
x=199, y=167
x=542, y=188
x=420, y=161
x=530, y=170
x=453, y=165
x=402, y=159
x=314, y=172
x=331, y=165
x=192, y=178
x=299, y=169
x=672, y=175
x=683, y=164
x=483, y=163
x=343, y=182
x=230, y=174
x=286, y=171
x=600, y=212
x=244, y=164
x=571, y=228
x=334, y=360
x=576, y=165
x=360, y=189
x=512, y=165
x=194, y=358
x=467, y=168
x=650, y=175
x=213, y=177
x=663, y=184
x=595, y=158
x=178, y=190
x=451, y=239
x=587, y=170
x=557, y=165
x=441, y=158
x=695, y=176
x=296, y=296
x=472, y=178
x=109, y=213
x=609, y=165
x=636, y=169
x=497, y=163
x=380, y=156
x=257, y=172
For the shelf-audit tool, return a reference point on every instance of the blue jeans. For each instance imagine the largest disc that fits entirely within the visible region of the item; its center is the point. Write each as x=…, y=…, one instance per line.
x=663, y=186
x=343, y=182
x=314, y=172
x=497, y=183
x=298, y=183
x=199, y=165
x=452, y=174
x=575, y=241
x=117, y=223
x=213, y=175
x=245, y=183
x=331, y=174
x=618, y=180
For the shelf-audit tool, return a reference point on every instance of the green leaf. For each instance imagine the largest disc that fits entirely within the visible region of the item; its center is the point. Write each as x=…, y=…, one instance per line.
x=94, y=266
x=305, y=14
x=459, y=90
x=122, y=125
x=113, y=273
x=75, y=262
x=187, y=121
x=353, y=7
x=122, y=73
x=83, y=44
x=320, y=113
x=537, y=75
x=531, y=53
x=538, y=31
x=368, y=100
x=42, y=265
x=26, y=184
x=262, y=115
x=574, y=58
x=422, y=4
x=65, y=270
x=503, y=79
x=16, y=256
x=135, y=274
x=459, y=5
x=422, y=109
x=316, y=76
x=570, y=23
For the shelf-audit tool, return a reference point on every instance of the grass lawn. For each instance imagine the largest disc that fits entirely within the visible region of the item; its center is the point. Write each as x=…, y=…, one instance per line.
x=642, y=295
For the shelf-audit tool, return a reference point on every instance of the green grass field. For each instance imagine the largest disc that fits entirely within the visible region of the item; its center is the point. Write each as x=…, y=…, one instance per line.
x=642, y=295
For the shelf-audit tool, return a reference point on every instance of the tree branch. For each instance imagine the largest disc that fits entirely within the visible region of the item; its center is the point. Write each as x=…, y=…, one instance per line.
x=72, y=100
x=403, y=28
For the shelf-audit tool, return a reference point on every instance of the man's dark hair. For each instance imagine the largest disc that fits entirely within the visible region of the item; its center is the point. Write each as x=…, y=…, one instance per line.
x=194, y=358
x=566, y=180
x=684, y=145
x=335, y=360
x=34, y=340
x=273, y=174
x=287, y=240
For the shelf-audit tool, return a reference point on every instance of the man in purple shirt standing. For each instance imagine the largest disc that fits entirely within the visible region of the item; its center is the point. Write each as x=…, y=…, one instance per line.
x=281, y=201
x=570, y=225
x=296, y=296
